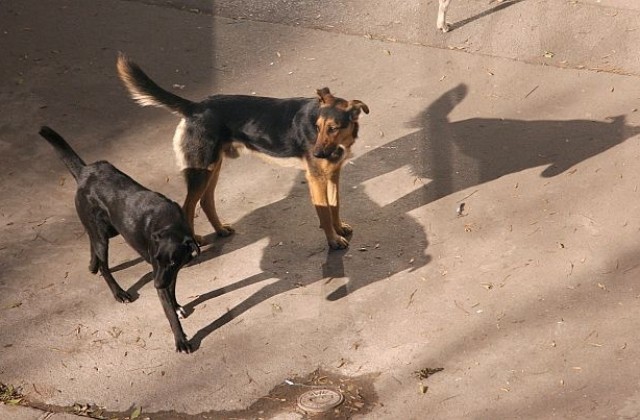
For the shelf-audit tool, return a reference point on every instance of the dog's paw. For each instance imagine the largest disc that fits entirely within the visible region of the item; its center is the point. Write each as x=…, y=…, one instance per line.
x=183, y=346
x=94, y=266
x=182, y=313
x=225, y=230
x=344, y=230
x=122, y=296
x=443, y=26
x=339, y=242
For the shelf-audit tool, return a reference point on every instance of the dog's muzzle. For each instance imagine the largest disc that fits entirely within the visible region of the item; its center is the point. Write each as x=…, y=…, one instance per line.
x=332, y=155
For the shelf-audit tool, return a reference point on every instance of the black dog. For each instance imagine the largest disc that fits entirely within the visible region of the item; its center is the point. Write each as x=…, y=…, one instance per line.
x=320, y=131
x=109, y=203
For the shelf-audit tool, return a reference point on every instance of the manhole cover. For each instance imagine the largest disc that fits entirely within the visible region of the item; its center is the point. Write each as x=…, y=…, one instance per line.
x=319, y=400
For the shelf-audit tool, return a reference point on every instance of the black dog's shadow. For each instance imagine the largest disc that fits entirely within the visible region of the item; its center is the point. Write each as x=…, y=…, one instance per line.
x=454, y=155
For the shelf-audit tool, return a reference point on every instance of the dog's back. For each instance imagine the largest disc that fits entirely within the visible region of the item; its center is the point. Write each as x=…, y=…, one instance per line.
x=109, y=196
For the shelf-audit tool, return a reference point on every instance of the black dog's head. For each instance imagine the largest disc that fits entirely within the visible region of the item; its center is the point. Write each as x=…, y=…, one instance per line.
x=170, y=251
x=337, y=125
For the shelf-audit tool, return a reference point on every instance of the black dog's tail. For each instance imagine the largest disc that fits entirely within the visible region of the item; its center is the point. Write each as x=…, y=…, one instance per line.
x=146, y=92
x=69, y=157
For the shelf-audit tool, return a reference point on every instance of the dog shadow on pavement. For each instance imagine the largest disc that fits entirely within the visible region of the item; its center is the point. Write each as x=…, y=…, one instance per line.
x=387, y=240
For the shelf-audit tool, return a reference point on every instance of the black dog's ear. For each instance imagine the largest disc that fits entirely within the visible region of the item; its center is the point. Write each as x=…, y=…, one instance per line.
x=156, y=249
x=193, y=245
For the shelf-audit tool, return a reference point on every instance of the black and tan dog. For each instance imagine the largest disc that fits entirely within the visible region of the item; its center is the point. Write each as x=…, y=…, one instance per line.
x=109, y=203
x=319, y=131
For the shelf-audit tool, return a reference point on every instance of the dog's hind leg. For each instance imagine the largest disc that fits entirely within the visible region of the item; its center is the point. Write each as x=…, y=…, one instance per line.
x=209, y=205
x=196, y=180
x=100, y=250
x=100, y=230
x=94, y=264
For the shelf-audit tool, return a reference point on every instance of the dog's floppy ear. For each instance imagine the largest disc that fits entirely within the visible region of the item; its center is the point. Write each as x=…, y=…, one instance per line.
x=355, y=107
x=155, y=247
x=325, y=96
x=193, y=245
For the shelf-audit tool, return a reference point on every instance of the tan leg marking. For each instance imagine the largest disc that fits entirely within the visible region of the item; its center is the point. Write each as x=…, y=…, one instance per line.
x=189, y=208
x=333, y=195
x=323, y=186
x=208, y=204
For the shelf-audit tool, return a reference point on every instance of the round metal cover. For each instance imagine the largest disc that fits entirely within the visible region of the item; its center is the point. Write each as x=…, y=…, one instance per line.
x=319, y=400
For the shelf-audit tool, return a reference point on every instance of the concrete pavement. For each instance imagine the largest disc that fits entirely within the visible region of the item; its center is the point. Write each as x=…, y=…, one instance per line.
x=526, y=297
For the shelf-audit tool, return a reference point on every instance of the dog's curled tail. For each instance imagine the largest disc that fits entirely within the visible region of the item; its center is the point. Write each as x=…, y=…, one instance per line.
x=146, y=92
x=69, y=157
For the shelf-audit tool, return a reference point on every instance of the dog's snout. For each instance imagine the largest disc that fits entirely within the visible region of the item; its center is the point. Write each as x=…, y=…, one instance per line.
x=332, y=154
x=319, y=153
x=324, y=152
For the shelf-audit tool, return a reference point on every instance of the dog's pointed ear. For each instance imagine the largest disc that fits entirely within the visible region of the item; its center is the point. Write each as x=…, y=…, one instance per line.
x=325, y=96
x=355, y=107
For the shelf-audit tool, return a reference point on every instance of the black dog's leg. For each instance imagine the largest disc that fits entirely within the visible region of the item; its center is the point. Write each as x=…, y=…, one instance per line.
x=167, y=300
x=94, y=264
x=176, y=306
x=100, y=247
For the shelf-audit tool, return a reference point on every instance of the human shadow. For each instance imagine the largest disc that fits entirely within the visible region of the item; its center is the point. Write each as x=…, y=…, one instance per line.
x=444, y=156
x=451, y=156
x=494, y=9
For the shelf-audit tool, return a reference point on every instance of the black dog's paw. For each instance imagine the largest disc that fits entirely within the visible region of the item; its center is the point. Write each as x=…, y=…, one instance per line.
x=182, y=313
x=123, y=296
x=94, y=265
x=183, y=346
x=93, y=268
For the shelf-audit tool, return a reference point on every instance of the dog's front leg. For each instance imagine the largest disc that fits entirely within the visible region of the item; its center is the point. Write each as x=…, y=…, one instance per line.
x=318, y=187
x=182, y=313
x=333, y=197
x=164, y=293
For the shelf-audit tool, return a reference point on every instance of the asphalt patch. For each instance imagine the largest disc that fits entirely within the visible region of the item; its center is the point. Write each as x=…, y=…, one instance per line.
x=358, y=397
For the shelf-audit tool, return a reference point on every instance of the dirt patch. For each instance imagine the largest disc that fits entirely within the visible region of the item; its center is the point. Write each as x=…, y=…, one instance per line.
x=359, y=397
